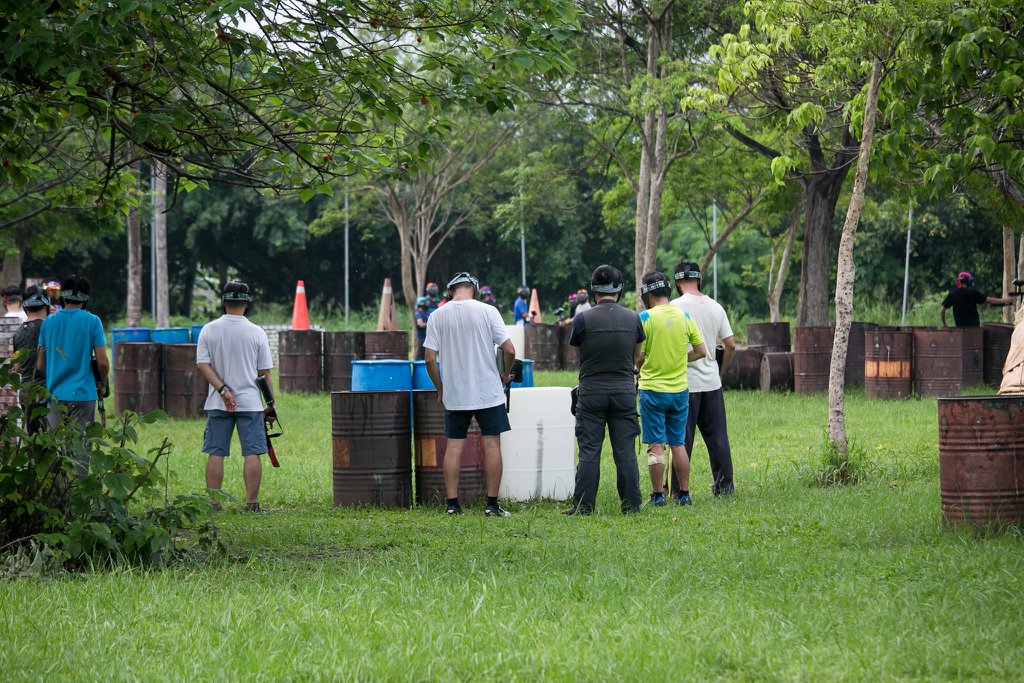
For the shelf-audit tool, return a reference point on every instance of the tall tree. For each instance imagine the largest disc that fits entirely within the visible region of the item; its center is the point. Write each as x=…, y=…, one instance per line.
x=163, y=300
x=133, y=232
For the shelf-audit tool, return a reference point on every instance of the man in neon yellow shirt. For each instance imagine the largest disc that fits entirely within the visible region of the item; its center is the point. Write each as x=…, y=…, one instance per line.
x=664, y=397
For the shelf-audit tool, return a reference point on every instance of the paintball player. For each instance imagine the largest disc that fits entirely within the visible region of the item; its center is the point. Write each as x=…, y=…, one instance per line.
x=521, y=310
x=231, y=353
x=464, y=332
x=672, y=341
x=707, y=404
x=11, y=296
x=52, y=289
x=433, y=297
x=422, y=315
x=964, y=300
x=487, y=296
x=582, y=302
x=610, y=340
x=67, y=341
x=26, y=339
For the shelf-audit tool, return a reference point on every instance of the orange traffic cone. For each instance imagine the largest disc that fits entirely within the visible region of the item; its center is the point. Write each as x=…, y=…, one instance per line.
x=386, y=314
x=535, y=308
x=300, y=314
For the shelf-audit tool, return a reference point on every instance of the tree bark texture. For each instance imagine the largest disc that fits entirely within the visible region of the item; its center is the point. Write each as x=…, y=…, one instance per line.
x=776, y=286
x=1009, y=269
x=162, y=313
x=821, y=193
x=133, y=231
x=12, y=274
x=846, y=270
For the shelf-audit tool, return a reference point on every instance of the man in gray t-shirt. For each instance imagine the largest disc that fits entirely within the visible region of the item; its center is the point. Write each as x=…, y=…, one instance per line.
x=231, y=353
x=464, y=333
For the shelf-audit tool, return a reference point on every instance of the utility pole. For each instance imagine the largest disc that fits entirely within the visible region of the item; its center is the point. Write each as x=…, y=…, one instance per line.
x=714, y=238
x=522, y=230
x=906, y=267
x=346, y=253
x=160, y=243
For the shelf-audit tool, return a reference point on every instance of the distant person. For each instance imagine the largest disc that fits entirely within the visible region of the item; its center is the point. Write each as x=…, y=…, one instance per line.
x=52, y=288
x=964, y=299
x=672, y=341
x=68, y=340
x=610, y=340
x=704, y=376
x=11, y=296
x=433, y=295
x=582, y=302
x=570, y=306
x=230, y=354
x=487, y=296
x=521, y=310
x=464, y=334
x=421, y=317
x=26, y=340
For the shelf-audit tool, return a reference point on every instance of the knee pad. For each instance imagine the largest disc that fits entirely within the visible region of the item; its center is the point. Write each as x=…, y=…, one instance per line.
x=655, y=458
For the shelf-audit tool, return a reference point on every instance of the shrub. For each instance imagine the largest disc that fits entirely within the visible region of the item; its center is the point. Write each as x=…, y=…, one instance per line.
x=54, y=513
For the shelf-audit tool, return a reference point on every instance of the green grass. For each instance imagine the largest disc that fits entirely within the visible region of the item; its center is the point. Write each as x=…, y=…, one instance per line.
x=782, y=581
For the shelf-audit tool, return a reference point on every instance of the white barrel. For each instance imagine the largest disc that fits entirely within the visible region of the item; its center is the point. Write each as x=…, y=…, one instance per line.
x=539, y=453
x=517, y=333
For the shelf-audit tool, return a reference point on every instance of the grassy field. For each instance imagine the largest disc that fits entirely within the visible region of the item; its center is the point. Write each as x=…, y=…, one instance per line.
x=783, y=581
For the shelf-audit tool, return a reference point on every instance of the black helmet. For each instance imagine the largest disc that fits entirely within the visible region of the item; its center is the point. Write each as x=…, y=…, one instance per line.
x=523, y=291
x=75, y=289
x=432, y=289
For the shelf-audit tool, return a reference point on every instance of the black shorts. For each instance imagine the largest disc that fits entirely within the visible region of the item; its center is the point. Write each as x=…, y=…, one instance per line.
x=492, y=421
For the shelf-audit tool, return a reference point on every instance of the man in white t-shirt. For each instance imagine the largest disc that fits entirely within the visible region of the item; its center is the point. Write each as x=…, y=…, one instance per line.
x=231, y=353
x=12, y=303
x=464, y=332
x=707, y=405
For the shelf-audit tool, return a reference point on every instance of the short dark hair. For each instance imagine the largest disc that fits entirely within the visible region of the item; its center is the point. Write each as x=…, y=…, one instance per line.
x=234, y=289
x=687, y=267
x=604, y=276
x=11, y=292
x=75, y=289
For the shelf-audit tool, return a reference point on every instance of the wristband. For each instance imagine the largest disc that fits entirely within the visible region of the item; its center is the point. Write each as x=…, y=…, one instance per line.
x=223, y=388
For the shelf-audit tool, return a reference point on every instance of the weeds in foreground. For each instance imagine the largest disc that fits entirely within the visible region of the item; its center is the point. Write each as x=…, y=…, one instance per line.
x=832, y=467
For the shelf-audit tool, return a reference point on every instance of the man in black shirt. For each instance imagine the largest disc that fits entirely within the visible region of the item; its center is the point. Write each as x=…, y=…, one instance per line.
x=610, y=340
x=964, y=301
x=31, y=396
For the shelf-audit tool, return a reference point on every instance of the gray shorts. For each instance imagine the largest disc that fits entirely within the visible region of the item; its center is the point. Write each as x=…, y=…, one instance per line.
x=81, y=413
x=220, y=424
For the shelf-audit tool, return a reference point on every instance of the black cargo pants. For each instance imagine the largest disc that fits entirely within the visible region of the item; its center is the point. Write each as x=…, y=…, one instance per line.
x=618, y=412
x=707, y=413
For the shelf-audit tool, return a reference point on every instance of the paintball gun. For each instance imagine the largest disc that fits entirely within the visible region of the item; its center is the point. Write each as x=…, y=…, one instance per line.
x=515, y=376
x=1018, y=288
x=270, y=419
x=102, y=389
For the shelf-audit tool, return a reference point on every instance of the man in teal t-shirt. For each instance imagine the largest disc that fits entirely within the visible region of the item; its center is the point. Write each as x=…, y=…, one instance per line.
x=67, y=341
x=664, y=398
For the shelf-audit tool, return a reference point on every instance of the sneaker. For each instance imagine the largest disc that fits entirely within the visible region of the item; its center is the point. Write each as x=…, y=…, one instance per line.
x=453, y=510
x=657, y=499
x=577, y=511
x=496, y=511
x=683, y=500
x=253, y=507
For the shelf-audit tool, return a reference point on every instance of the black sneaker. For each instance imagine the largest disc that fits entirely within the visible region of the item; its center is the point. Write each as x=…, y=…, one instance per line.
x=253, y=507
x=496, y=511
x=577, y=511
x=453, y=510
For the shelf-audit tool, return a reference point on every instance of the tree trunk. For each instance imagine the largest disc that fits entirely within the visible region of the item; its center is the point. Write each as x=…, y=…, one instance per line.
x=162, y=314
x=820, y=198
x=405, y=253
x=846, y=270
x=1009, y=269
x=11, y=273
x=133, y=306
x=775, y=291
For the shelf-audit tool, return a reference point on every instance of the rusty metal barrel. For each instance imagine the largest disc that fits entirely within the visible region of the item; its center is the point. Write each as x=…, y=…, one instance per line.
x=542, y=345
x=570, y=354
x=744, y=371
x=888, y=363
x=855, y=353
x=137, y=377
x=386, y=345
x=997, y=346
x=946, y=360
x=812, y=356
x=981, y=459
x=972, y=351
x=372, y=454
x=428, y=420
x=768, y=337
x=340, y=349
x=777, y=371
x=300, y=354
x=185, y=390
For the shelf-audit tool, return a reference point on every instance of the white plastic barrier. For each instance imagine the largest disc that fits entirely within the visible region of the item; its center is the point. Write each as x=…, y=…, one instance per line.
x=517, y=333
x=539, y=453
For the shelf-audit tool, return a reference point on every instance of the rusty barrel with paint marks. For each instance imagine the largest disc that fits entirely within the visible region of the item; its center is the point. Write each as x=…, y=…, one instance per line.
x=372, y=448
x=428, y=421
x=777, y=371
x=997, y=346
x=542, y=345
x=769, y=337
x=570, y=354
x=981, y=459
x=185, y=390
x=300, y=355
x=137, y=377
x=744, y=371
x=812, y=356
x=340, y=349
x=386, y=345
x=947, y=360
x=888, y=363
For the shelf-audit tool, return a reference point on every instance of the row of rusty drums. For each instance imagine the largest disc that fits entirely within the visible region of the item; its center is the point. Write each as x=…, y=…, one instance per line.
x=548, y=346
x=312, y=361
x=148, y=376
x=372, y=450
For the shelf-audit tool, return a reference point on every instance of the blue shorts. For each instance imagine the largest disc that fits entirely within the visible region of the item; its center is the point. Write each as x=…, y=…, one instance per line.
x=220, y=424
x=663, y=416
x=492, y=421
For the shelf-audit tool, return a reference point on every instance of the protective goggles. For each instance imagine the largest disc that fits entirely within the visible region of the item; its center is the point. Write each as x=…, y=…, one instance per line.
x=688, y=275
x=462, y=279
x=77, y=297
x=654, y=286
x=613, y=288
x=37, y=300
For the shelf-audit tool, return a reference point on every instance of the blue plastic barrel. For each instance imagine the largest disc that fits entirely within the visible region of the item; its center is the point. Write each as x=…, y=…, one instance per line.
x=171, y=335
x=420, y=379
x=527, y=375
x=381, y=375
x=196, y=329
